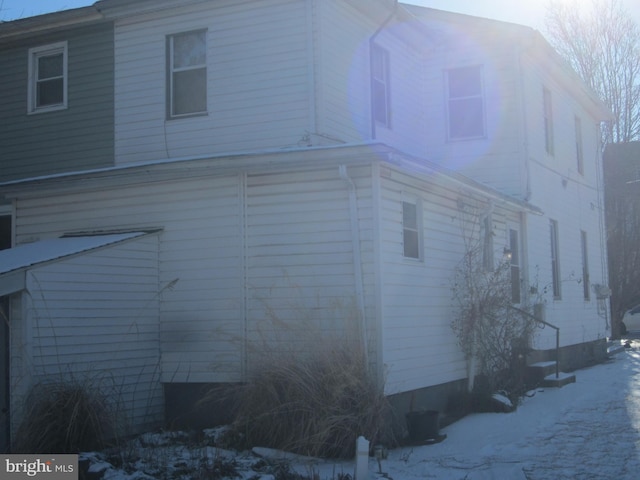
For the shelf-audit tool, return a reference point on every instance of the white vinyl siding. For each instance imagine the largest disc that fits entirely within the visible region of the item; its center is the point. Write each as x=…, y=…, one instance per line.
x=300, y=270
x=257, y=81
x=94, y=317
x=47, y=89
x=200, y=250
x=419, y=347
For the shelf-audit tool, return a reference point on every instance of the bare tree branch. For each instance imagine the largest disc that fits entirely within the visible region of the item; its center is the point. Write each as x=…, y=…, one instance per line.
x=602, y=44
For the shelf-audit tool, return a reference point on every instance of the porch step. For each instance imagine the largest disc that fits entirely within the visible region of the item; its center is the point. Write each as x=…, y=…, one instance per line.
x=544, y=374
x=562, y=380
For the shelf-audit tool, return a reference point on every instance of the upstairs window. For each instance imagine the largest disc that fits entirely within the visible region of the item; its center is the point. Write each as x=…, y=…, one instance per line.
x=187, y=73
x=548, y=120
x=579, y=152
x=47, y=78
x=465, y=103
x=411, y=230
x=380, y=89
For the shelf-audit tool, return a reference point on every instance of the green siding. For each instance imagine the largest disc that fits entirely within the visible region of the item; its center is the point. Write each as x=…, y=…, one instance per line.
x=77, y=138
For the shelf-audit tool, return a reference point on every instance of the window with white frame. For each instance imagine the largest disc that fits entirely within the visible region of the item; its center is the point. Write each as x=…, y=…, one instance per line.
x=555, y=259
x=47, y=88
x=411, y=231
x=579, y=151
x=585, y=265
x=548, y=120
x=487, y=243
x=187, y=73
x=380, y=88
x=514, y=261
x=465, y=103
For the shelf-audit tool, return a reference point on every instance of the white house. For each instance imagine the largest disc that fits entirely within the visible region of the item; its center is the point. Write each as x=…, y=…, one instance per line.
x=308, y=161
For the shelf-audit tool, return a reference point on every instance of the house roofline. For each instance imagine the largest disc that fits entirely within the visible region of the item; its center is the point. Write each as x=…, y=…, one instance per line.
x=49, y=21
x=528, y=40
x=263, y=160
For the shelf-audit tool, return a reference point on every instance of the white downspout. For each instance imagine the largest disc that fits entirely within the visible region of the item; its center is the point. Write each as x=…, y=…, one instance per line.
x=357, y=258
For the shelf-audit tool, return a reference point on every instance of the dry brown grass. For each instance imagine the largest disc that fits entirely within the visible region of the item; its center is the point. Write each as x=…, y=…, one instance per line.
x=315, y=404
x=64, y=417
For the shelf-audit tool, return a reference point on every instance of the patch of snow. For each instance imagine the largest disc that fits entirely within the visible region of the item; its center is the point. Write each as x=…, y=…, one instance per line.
x=589, y=429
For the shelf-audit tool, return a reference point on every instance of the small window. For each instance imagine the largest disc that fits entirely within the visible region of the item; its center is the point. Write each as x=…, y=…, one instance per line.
x=585, y=266
x=514, y=247
x=380, y=89
x=47, y=78
x=487, y=244
x=548, y=120
x=555, y=260
x=579, y=152
x=187, y=72
x=465, y=103
x=411, y=230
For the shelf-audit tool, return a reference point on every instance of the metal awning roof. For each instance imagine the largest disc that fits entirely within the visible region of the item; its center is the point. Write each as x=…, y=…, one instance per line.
x=14, y=262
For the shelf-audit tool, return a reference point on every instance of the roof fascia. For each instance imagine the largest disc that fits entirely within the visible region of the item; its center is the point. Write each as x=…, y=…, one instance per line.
x=39, y=24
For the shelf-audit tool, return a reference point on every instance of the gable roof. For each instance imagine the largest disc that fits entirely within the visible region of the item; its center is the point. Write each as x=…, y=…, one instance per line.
x=525, y=39
x=23, y=27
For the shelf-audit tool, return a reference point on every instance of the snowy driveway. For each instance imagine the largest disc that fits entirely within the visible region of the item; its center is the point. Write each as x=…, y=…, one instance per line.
x=586, y=430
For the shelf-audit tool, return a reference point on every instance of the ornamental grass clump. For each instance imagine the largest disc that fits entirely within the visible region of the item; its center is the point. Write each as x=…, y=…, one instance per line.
x=64, y=417
x=315, y=404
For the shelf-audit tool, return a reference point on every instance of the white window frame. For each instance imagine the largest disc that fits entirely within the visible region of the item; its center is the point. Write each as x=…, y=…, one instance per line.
x=171, y=71
x=487, y=233
x=380, y=82
x=555, y=260
x=579, y=145
x=547, y=108
x=515, y=264
x=452, y=99
x=412, y=228
x=584, y=252
x=35, y=54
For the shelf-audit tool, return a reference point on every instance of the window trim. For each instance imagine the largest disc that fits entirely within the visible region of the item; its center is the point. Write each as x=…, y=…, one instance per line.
x=547, y=107
x=171, y=71
x=381, y=54
x=488, y=255
x=34, y=55
x=555, y=260
x=579, y=145
x=515, y=265
x=417, y=229
x=584, y=251
x=481, y=96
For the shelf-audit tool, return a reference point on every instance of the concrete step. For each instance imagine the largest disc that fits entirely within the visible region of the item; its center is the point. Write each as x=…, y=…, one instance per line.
x=560, y=381
x=536, y=372
x=544, y=374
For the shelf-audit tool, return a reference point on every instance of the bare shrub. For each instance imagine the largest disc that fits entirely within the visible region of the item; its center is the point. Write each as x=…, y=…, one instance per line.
x=64, y=417
x=314, y=405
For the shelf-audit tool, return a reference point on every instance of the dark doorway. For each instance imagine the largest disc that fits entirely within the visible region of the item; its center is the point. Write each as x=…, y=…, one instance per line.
x=5, y=434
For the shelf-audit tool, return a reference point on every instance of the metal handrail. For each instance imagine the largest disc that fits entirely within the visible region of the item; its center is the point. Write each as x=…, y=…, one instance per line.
x=547, y=324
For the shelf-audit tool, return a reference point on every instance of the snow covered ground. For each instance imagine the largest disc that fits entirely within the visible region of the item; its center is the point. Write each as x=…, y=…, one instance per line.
x=586, y=430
